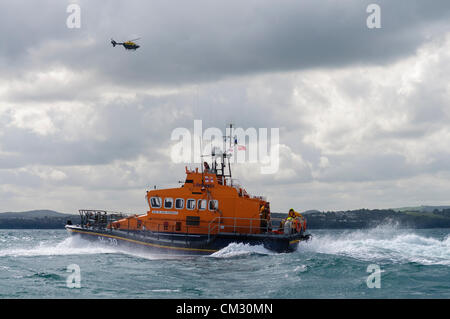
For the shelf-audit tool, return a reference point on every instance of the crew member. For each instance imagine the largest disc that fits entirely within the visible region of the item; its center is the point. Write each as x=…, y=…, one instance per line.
x=299, y=217
x=264, y=216
x=206, y=165
x=288, y=224
x=294, y=213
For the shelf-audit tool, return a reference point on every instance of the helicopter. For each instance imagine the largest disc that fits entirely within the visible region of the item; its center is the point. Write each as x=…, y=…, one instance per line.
x=128, y=45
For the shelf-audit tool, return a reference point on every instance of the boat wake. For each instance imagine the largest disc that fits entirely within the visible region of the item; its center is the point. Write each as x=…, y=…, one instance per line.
x=386, y=242
x=69, y=246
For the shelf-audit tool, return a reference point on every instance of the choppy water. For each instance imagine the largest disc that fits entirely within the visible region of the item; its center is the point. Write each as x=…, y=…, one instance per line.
x=413, y=263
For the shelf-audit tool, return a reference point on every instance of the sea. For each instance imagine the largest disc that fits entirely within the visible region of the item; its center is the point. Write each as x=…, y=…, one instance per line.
x=386, y=262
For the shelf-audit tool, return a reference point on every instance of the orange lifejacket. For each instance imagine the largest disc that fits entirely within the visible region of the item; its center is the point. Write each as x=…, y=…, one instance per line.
x=262, y=212
x=298, y=225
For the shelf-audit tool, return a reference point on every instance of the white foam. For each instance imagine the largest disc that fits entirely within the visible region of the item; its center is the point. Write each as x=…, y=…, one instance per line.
x=384, y=242
x=69, y=246
x=240, y=249
x=165, y=290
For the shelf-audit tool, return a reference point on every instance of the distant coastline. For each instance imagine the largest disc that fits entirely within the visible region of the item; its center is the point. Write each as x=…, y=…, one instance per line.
x=407, y=217
x=36, y=219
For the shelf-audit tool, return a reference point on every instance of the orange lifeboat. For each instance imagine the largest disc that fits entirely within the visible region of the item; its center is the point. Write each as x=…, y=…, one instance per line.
x=204, y=215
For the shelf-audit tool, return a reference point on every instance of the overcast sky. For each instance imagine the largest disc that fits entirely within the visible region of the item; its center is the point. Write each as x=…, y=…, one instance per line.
x=363, y=114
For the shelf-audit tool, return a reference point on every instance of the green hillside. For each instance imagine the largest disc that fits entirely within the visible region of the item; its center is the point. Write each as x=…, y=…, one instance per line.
x=36, y=219
x=32, y=214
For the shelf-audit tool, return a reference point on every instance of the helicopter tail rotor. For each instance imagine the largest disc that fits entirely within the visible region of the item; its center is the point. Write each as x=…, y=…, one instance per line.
x=113, y=42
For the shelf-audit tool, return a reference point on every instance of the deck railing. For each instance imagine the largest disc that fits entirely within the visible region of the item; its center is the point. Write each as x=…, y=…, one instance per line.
x=99, y=218
x=241, y=225
x=159, y=226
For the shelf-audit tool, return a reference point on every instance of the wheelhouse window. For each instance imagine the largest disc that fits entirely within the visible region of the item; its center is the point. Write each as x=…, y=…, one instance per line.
x=190, y=203
x=168, y=202
x=155, y=202
x=179, y=203
x=213, y=204
x=202, y=204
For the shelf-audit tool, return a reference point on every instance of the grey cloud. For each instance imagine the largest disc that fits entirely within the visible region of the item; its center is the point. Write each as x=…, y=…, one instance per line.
x=366, y=167
x=125, y=128
x=240, y=51
x=204, y=41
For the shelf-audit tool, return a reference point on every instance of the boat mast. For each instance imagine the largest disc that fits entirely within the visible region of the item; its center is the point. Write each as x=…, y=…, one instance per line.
x=226, y=157
x=229, y=164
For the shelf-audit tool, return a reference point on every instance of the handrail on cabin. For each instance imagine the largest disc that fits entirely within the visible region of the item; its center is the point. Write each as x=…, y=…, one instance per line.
x=214, y=224
x=99, y=217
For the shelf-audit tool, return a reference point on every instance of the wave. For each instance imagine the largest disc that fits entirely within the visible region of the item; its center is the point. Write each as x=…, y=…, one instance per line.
x=240, y=249
x=69, y=246
x=29, y=246
x=386, y=242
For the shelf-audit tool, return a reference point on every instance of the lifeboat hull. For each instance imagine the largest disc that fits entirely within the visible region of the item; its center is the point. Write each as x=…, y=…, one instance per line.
x=185, y=244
